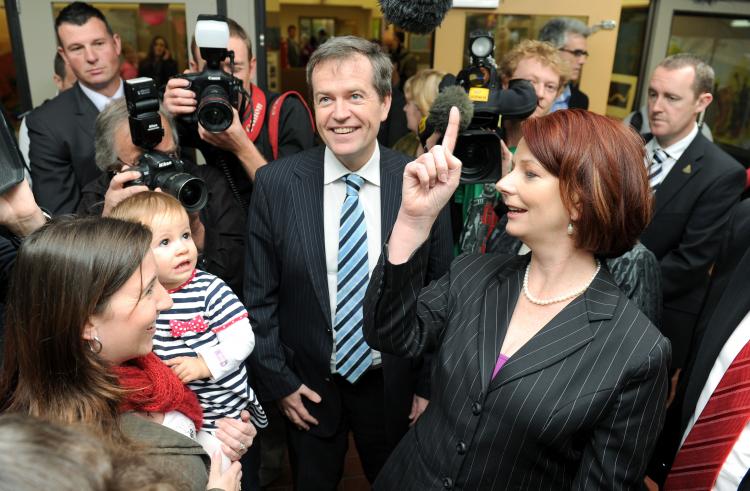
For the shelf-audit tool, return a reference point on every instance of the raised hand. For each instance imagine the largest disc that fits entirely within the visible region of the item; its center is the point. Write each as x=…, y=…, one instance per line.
x=429, y=183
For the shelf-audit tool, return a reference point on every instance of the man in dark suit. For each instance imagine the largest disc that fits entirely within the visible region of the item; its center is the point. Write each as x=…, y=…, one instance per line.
x=569, y=36
x=695, y=186
x=61, y=131
x=317, y=222
x=722, y=332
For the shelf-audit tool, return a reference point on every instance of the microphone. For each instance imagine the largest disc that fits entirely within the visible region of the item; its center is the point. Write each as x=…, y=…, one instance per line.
x=417, y=16
x=437, y=119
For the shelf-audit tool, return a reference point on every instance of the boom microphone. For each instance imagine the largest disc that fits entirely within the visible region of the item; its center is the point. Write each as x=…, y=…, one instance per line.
x=437, y=120
x=417, y=16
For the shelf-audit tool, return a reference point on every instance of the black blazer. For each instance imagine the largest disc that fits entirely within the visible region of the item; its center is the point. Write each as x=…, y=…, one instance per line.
x=579, y=406
x=726, y=305
x=286, y=285
x=691, y=210
x=61, y=152
x=578, y=100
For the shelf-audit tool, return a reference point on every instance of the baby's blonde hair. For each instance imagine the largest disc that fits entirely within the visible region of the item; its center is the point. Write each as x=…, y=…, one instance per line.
x=145, y=207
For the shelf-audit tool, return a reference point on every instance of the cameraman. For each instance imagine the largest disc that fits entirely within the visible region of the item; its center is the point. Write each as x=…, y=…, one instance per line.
x=214, y=228
x=295, y=130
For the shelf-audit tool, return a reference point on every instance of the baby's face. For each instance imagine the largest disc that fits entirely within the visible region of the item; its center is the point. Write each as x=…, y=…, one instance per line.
x=174, y=249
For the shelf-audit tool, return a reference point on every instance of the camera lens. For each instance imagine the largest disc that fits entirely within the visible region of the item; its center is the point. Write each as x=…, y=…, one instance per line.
x=189, y=190
x=479, y=152
x=214, y=110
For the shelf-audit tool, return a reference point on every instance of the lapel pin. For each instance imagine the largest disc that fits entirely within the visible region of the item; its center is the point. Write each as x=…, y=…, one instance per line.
x=687, y=169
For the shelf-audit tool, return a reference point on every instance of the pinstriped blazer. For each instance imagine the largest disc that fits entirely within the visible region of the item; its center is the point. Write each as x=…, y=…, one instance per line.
x=579, y=406
x=286, y=286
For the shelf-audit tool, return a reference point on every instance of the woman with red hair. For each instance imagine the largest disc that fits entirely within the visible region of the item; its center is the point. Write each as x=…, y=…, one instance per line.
x=545, y=376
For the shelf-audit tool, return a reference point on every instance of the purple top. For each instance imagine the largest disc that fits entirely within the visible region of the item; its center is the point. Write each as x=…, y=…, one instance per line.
x=500, y=362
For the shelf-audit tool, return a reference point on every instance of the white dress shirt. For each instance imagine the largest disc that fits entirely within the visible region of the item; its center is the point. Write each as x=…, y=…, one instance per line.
x=738, y=461
x=100, y=100
x=334, y=193
x=674, y=152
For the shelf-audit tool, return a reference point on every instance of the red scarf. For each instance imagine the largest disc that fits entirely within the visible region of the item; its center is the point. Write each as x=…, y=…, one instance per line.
x=151, y=386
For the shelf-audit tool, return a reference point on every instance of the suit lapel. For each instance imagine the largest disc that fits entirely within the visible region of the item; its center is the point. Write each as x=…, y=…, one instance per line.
x=689, y=165
x=391, y=179
x=85, y=112
x=497, y=307
x=565, y=334
x=307, y=198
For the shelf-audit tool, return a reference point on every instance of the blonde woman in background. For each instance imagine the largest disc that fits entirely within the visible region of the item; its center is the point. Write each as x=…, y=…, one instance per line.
x=420, y=91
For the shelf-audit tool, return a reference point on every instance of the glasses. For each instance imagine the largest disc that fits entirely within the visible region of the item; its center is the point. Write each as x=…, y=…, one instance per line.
x=578, y=53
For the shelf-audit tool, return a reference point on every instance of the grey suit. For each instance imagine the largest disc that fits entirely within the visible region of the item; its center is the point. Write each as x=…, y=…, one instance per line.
x=61, y=151
x=579, y=406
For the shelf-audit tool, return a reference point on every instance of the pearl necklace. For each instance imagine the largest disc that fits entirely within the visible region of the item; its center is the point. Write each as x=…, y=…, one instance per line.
x=560, y=298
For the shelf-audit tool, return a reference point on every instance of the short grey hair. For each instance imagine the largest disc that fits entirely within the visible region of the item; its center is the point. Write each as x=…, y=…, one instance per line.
x=556, y=30
x=343, y=47
x=108, y=122
x=704, y=74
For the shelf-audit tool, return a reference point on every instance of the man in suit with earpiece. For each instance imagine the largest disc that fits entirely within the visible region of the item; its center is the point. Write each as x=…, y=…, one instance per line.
x=695, y=186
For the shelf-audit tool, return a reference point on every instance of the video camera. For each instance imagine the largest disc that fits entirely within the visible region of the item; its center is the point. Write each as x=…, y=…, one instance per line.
x=479, y=146
x=216, y=91
x=158, y=170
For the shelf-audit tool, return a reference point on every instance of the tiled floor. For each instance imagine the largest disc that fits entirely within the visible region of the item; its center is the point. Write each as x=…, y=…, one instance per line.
x=353, y=479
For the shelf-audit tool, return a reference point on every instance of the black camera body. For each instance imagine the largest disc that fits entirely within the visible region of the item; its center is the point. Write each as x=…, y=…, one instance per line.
x=216, y=91
x=158, y=170
x=479, y=146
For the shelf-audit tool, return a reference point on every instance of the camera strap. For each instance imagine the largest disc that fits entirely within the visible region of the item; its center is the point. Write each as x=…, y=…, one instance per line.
x=255, y=113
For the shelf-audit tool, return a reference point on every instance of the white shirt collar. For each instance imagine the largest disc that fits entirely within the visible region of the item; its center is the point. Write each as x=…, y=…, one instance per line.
x=333, y=169
x=676, y=150
x=100, y=100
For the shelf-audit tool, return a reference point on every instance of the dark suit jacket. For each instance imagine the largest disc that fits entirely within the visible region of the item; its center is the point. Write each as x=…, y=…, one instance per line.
x=61, y=151
x=726, y=305
x=579, y=406
x=286, y=285
x=578, y=100
x=692, y=208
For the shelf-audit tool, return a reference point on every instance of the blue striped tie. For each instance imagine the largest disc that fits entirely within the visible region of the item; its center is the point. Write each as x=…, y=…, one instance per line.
x=654, y=170
x=353, y=355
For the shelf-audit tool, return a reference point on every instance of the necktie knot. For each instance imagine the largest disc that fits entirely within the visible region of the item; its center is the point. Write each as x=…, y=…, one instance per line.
x=354, y=183
x=659, y=155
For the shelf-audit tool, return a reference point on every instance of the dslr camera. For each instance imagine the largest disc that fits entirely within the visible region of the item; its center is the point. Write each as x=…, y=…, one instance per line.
x=479, y=146
x=158, y=170
x=216, y=91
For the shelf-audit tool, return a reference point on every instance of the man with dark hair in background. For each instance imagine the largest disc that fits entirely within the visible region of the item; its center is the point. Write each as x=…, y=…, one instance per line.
x=61, y=130
x=569, y=37
x=247, y=151
x=695, y=186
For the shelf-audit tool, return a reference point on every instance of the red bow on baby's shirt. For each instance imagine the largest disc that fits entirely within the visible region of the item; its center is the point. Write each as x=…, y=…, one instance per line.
x=180, y=328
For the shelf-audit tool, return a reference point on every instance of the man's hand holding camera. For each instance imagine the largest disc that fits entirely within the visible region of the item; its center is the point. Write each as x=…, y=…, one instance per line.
x=118, y=190
x=179, y=100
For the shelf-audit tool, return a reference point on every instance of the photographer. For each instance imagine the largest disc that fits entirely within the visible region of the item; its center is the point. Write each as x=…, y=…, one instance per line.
x=213, y=229
x=239, y=144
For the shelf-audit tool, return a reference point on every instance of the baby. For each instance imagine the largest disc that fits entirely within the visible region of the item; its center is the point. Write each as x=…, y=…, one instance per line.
x=206, y=336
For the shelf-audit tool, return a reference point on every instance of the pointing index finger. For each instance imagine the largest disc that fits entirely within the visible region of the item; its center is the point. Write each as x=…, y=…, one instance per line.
x=451, y=132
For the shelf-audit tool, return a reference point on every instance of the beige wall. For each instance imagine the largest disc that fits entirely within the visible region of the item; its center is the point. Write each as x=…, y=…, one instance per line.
x=289, y=14
x=596, y=74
